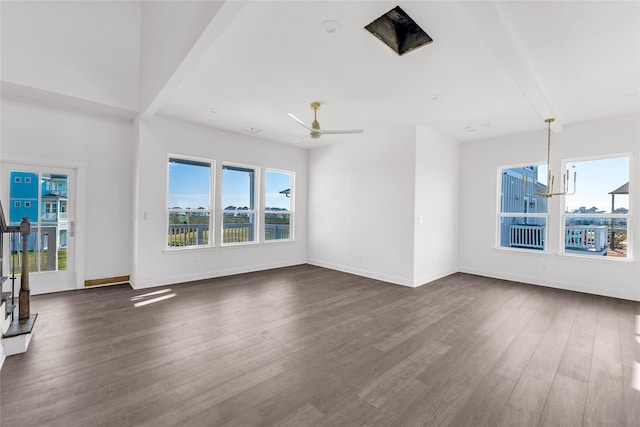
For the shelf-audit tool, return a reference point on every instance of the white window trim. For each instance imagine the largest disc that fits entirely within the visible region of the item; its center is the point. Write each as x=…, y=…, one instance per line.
x=257, y=223
x=292, y=196
x=628, y=216
x=500, y=214
x=211, y=210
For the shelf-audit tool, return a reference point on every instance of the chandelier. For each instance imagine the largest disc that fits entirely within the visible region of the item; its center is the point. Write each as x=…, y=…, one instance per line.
x=548, y=192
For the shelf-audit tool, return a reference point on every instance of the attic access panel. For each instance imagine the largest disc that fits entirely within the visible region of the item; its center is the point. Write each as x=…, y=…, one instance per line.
x=397, y=30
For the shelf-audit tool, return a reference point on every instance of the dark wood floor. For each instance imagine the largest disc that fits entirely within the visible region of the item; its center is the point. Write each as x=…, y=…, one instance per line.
x=310, y=346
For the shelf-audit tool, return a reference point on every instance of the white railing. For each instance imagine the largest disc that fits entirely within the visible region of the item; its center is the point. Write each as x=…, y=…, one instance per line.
x=586, y=237
x=526, y=236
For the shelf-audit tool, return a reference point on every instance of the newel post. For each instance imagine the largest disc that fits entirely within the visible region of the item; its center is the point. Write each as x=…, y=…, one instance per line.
x=25, y=292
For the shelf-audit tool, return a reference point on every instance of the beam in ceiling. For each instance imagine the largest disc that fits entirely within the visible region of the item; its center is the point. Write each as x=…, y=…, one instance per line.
x=216, y=26
x=502, y=40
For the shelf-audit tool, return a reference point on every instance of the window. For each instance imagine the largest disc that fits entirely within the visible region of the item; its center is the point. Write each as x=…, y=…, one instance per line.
x=27, y=204
x=17, y=204
x=50, y=207
x=238, y=201
x=27, y=180
x=278, y=203
x=596, y=218
x=189, y=202
x=522, y=215
x=17, y=179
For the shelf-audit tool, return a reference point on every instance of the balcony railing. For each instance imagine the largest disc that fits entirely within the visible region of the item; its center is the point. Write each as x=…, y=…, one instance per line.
x=198, y=234
x=587, y=239
x=276, y=231
x=526, y=236
x=54, y=216
x=188, y=234
x=237, y=232
x=590, y=238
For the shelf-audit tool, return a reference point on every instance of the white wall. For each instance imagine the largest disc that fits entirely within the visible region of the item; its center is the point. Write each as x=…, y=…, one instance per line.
x=361, y=204
x=479, y=162
x=82, y=49
x=153, y=265
x=436, y=203
x=104, y=145
x=169, y=30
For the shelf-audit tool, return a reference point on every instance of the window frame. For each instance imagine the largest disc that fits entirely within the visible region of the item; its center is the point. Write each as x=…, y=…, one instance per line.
x=500, y=215
x=255, y=189
x=628, y=216
x=212, y=175
x=290, y=211
x=50, y=207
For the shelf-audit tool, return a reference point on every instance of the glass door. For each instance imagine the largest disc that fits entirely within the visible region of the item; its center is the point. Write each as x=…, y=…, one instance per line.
x=46, y=196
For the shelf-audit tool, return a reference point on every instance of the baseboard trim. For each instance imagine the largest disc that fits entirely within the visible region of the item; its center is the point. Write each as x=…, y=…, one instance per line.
x=144, y=284
x=106, y=281
x=430, y=278
x=551, y=284
x=396, y=280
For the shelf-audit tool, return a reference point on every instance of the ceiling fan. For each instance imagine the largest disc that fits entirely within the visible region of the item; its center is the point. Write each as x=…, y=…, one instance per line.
x=314, y=130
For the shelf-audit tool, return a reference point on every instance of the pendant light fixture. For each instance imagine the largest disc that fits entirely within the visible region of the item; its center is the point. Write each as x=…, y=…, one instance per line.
x=548, y=192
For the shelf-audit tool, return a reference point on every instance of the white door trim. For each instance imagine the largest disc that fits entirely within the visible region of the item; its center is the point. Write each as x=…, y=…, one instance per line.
x=81, y=200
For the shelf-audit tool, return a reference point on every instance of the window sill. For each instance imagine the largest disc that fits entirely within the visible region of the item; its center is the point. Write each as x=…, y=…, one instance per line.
x=564, y=256
x=203, y=248
x=238, y=245
x=276, y=241
x=594, y=258
x=522, y=251
x=181, y=250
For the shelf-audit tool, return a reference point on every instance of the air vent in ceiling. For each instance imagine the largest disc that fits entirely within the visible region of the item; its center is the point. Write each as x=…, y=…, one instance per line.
x=398, y=31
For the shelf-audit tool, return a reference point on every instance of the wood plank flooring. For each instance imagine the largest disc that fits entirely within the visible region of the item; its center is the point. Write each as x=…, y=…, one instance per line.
x=309, y=346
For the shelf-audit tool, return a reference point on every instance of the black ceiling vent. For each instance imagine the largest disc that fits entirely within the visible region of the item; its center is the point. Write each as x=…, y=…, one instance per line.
x=398, y=31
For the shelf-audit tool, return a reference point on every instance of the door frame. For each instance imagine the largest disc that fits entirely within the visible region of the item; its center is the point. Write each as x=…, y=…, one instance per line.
x=80, y=169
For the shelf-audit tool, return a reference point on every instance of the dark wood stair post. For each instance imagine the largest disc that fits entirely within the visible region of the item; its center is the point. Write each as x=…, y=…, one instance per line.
x=25, y=292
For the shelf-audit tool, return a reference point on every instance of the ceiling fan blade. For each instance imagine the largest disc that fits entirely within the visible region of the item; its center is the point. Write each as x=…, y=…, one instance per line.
x=300, y=122
x=340, y=132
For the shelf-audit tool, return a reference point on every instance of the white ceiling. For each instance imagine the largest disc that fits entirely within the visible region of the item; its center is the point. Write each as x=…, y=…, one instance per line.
x=494, y=68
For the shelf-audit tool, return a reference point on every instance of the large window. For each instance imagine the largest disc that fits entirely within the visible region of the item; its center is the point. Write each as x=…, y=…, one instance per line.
x=189, y=202
x=278, y=202
x=238, y=204
x=596, y=218
x=522, y=215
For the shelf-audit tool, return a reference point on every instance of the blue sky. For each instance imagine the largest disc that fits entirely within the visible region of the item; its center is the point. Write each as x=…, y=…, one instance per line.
x=595, y=179
x=276, y=182
x=189, y=187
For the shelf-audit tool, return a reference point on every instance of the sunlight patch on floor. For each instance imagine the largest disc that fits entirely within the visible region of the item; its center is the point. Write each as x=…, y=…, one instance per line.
x=143, y=296
x=154, y=300
x=145, y=300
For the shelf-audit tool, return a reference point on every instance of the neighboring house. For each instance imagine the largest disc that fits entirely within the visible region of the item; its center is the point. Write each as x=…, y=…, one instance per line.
x=43, y=200
x=519, y=188
x=24, y=197
x=591, y=210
